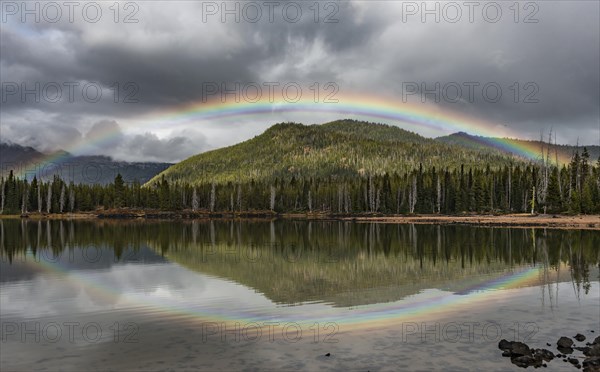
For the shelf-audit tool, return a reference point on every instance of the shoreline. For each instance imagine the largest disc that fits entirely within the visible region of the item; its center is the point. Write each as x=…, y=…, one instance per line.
x=582, y=222
x=586, y=222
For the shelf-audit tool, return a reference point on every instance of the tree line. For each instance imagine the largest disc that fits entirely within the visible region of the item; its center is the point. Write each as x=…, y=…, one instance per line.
x=540, y=187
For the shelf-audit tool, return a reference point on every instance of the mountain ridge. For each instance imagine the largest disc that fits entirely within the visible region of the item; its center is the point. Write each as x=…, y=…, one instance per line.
x=86, y=169
x=564, y=152
x=342, y=148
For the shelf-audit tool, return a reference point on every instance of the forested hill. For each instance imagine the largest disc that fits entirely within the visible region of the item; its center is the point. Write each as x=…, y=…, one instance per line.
x=564, y=152
x=341, y=167
x=341, y=148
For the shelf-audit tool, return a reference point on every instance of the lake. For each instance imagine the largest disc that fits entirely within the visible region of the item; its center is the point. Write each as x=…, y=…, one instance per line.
x=288, y=295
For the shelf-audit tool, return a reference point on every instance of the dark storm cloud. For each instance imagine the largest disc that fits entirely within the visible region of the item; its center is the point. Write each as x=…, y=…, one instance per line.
x=141, y=147
x=170, y=53
x=148, y=147
x=558, y=57
x=170, y=64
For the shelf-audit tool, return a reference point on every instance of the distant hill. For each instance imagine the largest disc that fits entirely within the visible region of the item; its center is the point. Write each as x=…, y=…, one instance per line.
x=343, y=148
x=11, y=153
x=565, y=152
x=340, y=148
x=27, y=161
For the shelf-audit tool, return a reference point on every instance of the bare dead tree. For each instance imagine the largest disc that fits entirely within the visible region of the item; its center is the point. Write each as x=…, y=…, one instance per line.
x=412, y=197
x=542, y=186
x=24, y=202
x=439, y=195
x=371, y=194
x=560, y=186
x=195, y=200
x=49, y=198
x=213, y=197
x=347, y=200
x=340, y=197
x=61, y=201
x=2, y=196
x=533, y=201
x=509, y=186
x=272, y=198
x=72, y=199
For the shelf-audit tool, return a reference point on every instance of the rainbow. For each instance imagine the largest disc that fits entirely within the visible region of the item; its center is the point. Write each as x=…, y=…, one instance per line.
x=422, y=118
x=414, y=117
x=476, y=292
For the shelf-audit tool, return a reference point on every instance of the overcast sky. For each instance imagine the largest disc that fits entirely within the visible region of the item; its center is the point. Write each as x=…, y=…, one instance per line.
x=160, y=55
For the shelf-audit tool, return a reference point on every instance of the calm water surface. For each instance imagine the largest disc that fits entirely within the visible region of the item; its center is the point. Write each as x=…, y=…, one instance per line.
x=132, y=295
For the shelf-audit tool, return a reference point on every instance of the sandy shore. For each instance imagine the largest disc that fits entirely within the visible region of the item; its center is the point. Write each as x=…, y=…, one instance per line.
x=588, y=222
x=591, y=222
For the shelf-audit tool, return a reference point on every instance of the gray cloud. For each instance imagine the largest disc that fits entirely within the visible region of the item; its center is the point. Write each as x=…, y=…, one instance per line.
x=148, y=147
x=108, y=134
x=371, y=50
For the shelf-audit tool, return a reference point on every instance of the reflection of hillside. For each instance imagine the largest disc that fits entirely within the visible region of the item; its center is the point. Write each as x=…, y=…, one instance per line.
x=308, y=278
x=348, y=282
x=340, y=263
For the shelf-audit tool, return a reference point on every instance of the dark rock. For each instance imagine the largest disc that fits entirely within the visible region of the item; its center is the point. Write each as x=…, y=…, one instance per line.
x=548, y=344
x=506, y=353
x=544, y=365
x=544, y=354
x=593, y=351
x=579, y=337
x=328, y=354
x=520, y=349
x=591, y=364
x=526, y=361
x=565, y=350
x=515, y=348
x=597, y=340
x=505, y=345
x=565, y=360
x=564, y=342
x=574, y=361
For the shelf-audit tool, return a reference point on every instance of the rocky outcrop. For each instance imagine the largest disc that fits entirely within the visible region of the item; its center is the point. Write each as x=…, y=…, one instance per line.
x=523, y=356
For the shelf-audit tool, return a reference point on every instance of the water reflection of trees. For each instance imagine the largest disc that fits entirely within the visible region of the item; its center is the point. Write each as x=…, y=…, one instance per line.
x=292, y=261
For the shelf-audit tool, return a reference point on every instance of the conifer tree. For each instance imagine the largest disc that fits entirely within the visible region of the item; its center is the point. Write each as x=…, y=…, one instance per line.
x=553, y=199
x=119, y=186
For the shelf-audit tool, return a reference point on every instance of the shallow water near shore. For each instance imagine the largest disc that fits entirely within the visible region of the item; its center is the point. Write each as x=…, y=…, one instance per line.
x=232, y=295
